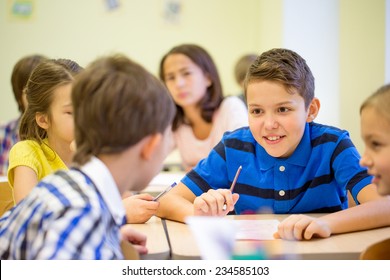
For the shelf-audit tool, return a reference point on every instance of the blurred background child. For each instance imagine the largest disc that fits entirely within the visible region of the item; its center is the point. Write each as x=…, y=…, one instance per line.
x=240, y=70
x=203, y=114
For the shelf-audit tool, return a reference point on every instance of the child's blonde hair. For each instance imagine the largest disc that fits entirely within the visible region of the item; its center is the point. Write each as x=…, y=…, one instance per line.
x=380, y=100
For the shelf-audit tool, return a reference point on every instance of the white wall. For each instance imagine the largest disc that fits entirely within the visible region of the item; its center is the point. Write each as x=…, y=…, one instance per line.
x=310, y=28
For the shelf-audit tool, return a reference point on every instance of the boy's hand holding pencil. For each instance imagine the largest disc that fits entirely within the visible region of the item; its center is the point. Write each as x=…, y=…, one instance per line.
x=217, y=202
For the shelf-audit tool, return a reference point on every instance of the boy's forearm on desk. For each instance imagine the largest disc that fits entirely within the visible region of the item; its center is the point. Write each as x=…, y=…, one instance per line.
x=175, y=208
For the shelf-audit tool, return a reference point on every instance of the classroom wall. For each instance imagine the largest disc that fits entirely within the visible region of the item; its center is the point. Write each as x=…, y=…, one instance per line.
x=83, y=30
x=344, y=42
x=318, y=44
x=362, y=59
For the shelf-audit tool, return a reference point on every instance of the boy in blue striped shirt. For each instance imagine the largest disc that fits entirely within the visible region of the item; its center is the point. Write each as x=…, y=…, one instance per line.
x=289, y=163
x=122, y=116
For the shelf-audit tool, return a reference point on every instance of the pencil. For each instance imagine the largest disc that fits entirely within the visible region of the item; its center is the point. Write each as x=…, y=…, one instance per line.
x=161, y=194
x=233, y=184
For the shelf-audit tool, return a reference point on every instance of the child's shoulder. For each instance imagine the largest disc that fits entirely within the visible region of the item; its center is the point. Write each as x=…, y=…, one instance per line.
x=24, y=146
x=322, y=130
x=68, y=188
x=242, y=133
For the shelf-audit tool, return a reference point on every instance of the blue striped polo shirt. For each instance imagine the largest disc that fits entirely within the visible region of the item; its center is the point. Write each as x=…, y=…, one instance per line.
x=72, y=214
x=314, y=179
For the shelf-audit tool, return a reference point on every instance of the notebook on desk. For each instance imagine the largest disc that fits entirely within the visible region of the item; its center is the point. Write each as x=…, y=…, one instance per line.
x=256, y=229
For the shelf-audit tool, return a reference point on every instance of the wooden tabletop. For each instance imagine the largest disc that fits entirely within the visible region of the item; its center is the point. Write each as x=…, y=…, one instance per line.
x=341, y=246
x=157, y=243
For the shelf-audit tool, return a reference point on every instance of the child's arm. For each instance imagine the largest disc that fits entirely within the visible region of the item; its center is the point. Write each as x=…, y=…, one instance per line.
x=25, y=179
x=368, y=193
x=137, y=239
x=177, y=204
x=369, y=215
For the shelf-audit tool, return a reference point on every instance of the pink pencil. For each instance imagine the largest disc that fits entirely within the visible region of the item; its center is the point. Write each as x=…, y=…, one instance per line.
x=233, y=184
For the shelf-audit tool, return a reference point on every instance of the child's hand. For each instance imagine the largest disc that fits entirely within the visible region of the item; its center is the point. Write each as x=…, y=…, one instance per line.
x=299, y=227
x=211, y=203
x=140, y=208
x=137, y=239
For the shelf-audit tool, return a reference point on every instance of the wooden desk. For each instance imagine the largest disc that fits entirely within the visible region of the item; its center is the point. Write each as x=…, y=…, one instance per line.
x=342, y=246
x=157, y=242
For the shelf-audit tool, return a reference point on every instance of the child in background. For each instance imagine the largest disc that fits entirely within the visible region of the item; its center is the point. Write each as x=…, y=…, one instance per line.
x=289, y=163
x=203, y=114
x=46, y=127
x=9, y=133
x=240, y=70
x=122, y=117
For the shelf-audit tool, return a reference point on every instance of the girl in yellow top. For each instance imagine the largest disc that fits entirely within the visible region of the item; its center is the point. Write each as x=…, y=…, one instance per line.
x=46, y=127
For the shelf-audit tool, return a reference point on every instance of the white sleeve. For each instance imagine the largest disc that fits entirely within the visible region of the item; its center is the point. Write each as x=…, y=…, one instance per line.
x=233, y=113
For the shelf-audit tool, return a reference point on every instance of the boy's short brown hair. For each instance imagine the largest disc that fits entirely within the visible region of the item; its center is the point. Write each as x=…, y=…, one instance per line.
x=285, y=67
x=116, y=104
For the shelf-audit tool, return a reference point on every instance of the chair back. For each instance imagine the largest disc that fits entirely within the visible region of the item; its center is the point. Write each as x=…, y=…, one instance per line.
x=377, y=251
x=7, y=200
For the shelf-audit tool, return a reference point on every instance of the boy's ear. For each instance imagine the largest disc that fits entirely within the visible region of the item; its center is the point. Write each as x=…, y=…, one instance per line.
x=42, y=120
x=150, y=146
x=313, y=110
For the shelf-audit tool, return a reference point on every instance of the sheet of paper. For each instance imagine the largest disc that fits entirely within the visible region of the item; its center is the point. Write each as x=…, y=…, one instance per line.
x=215, y=236
x=256, y=229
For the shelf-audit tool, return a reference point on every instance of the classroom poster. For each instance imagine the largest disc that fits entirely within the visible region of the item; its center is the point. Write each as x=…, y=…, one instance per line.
x=20, y=10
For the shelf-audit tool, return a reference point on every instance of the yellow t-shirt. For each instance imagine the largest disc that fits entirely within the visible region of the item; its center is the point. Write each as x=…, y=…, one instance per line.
x=39, y=157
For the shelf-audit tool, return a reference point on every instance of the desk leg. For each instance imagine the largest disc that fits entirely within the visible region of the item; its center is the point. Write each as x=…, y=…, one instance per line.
x=163, y=221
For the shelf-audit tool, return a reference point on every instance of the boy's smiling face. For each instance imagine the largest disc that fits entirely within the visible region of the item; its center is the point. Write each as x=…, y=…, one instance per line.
x=277, y=118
